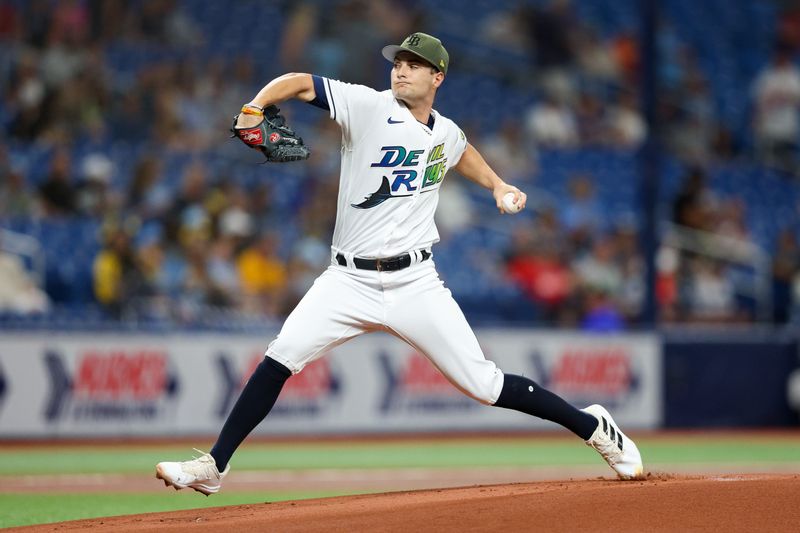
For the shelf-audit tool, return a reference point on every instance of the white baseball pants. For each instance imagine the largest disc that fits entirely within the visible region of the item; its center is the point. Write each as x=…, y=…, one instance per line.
x=412, y=304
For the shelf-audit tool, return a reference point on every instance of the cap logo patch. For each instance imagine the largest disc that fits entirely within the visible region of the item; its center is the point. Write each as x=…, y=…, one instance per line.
x=441, y=63
x=413, y=40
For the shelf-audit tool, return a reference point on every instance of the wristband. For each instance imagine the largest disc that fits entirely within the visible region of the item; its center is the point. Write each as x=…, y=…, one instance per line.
x=250, y=109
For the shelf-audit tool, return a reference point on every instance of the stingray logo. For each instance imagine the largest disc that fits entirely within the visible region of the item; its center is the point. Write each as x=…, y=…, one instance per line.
x=304, y=394
x=413, y=384
x=583, y=375
x=110, y=385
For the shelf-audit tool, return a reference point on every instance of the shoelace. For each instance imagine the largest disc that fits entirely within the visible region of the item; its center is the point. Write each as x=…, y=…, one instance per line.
x=201, y=467
x=607, y=448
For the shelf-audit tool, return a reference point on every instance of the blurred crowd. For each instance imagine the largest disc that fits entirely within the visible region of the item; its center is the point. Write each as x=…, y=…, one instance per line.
x=172, y=245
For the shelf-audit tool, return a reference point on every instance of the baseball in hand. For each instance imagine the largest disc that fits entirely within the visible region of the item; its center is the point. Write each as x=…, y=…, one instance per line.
x=509, y=205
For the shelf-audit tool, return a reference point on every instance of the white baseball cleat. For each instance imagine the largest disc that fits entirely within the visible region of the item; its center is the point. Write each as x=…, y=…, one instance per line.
x=616, y=448
x=200, y=473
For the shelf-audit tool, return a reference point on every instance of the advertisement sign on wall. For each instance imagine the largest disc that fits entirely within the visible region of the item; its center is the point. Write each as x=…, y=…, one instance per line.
x=116, y=385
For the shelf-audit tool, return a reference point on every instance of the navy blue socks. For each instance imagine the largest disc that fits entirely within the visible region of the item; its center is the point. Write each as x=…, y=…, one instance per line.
x=253, y=405
x=522, y=394
x=261, y=392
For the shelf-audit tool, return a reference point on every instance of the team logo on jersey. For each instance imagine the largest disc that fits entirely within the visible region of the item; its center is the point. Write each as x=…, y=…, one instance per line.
x=383, y=193
x=404, y=182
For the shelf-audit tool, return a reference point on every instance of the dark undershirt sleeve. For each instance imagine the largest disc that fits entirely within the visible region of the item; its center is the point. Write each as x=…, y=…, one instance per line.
x=320, y=99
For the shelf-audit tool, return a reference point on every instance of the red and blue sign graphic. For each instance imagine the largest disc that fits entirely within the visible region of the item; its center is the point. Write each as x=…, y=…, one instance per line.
x=413, y=384
x=110, y=385
x=305, y=394
x=587, y=374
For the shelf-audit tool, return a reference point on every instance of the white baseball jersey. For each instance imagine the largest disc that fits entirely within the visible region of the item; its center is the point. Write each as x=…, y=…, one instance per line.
x=392, y=168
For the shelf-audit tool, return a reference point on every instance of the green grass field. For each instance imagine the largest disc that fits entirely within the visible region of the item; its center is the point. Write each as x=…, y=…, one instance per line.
x=731, y=452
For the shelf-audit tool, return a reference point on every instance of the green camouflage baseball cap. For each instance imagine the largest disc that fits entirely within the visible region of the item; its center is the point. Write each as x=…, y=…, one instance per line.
x=423, y=45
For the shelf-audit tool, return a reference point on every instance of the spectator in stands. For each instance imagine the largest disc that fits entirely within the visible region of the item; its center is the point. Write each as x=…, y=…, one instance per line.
x=263, y=276
x=630, y=260
x=691, y=207
x=582, y=218
x=344, y=36
x=455, y=212
x=598, y=271
x=505, y=28
x=57, y=193
x=600, y=313
x=712, y=295
x=197, y=289
x=626, y=127
x=10, y=22
x=788, y=26
x=235, y=219
x=731, y=219
x=309, y=257
x=64, y=54
x=166, y=22
x=94, y=197
x=551, y=30
x=117, y=274
x=18, y=292
x=596, y=58
x=128, y=120
x=223, y=277
x=153, y=260
x=690, y=130
x=591, y=119
x=537, y=268
x=187, y=214
x=148, y=197
x=552, y=123
x=625, y=50
x=777, y=111
x=25, y=97
x=15, y=198
x=262, y=206
x=509, y=152
x=667, y=289
x=785, y=270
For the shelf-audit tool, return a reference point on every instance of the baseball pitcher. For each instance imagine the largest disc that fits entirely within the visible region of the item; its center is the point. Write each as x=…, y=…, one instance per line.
x=396, y=151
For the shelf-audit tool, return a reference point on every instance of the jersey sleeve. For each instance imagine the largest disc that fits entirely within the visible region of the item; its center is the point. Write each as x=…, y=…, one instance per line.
x=352, y=106
x=460, y=145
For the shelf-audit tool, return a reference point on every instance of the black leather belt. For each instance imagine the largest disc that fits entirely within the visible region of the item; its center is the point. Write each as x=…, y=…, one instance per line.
x=387, y=264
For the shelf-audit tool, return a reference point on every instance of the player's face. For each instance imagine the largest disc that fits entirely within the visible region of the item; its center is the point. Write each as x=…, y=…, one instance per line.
x=414, y=79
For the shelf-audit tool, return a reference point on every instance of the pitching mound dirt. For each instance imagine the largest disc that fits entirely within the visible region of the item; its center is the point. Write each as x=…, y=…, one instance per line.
x=661, y=502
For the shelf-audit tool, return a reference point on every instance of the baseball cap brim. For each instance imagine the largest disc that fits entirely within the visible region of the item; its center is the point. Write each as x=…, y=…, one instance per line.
x=390, y=51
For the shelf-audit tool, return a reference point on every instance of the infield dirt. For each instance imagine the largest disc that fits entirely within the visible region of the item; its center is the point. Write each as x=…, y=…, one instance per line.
x=730, y=503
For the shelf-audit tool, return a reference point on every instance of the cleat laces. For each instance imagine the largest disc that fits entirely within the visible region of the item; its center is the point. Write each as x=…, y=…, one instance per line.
x=202, y=467
x=607, y=448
